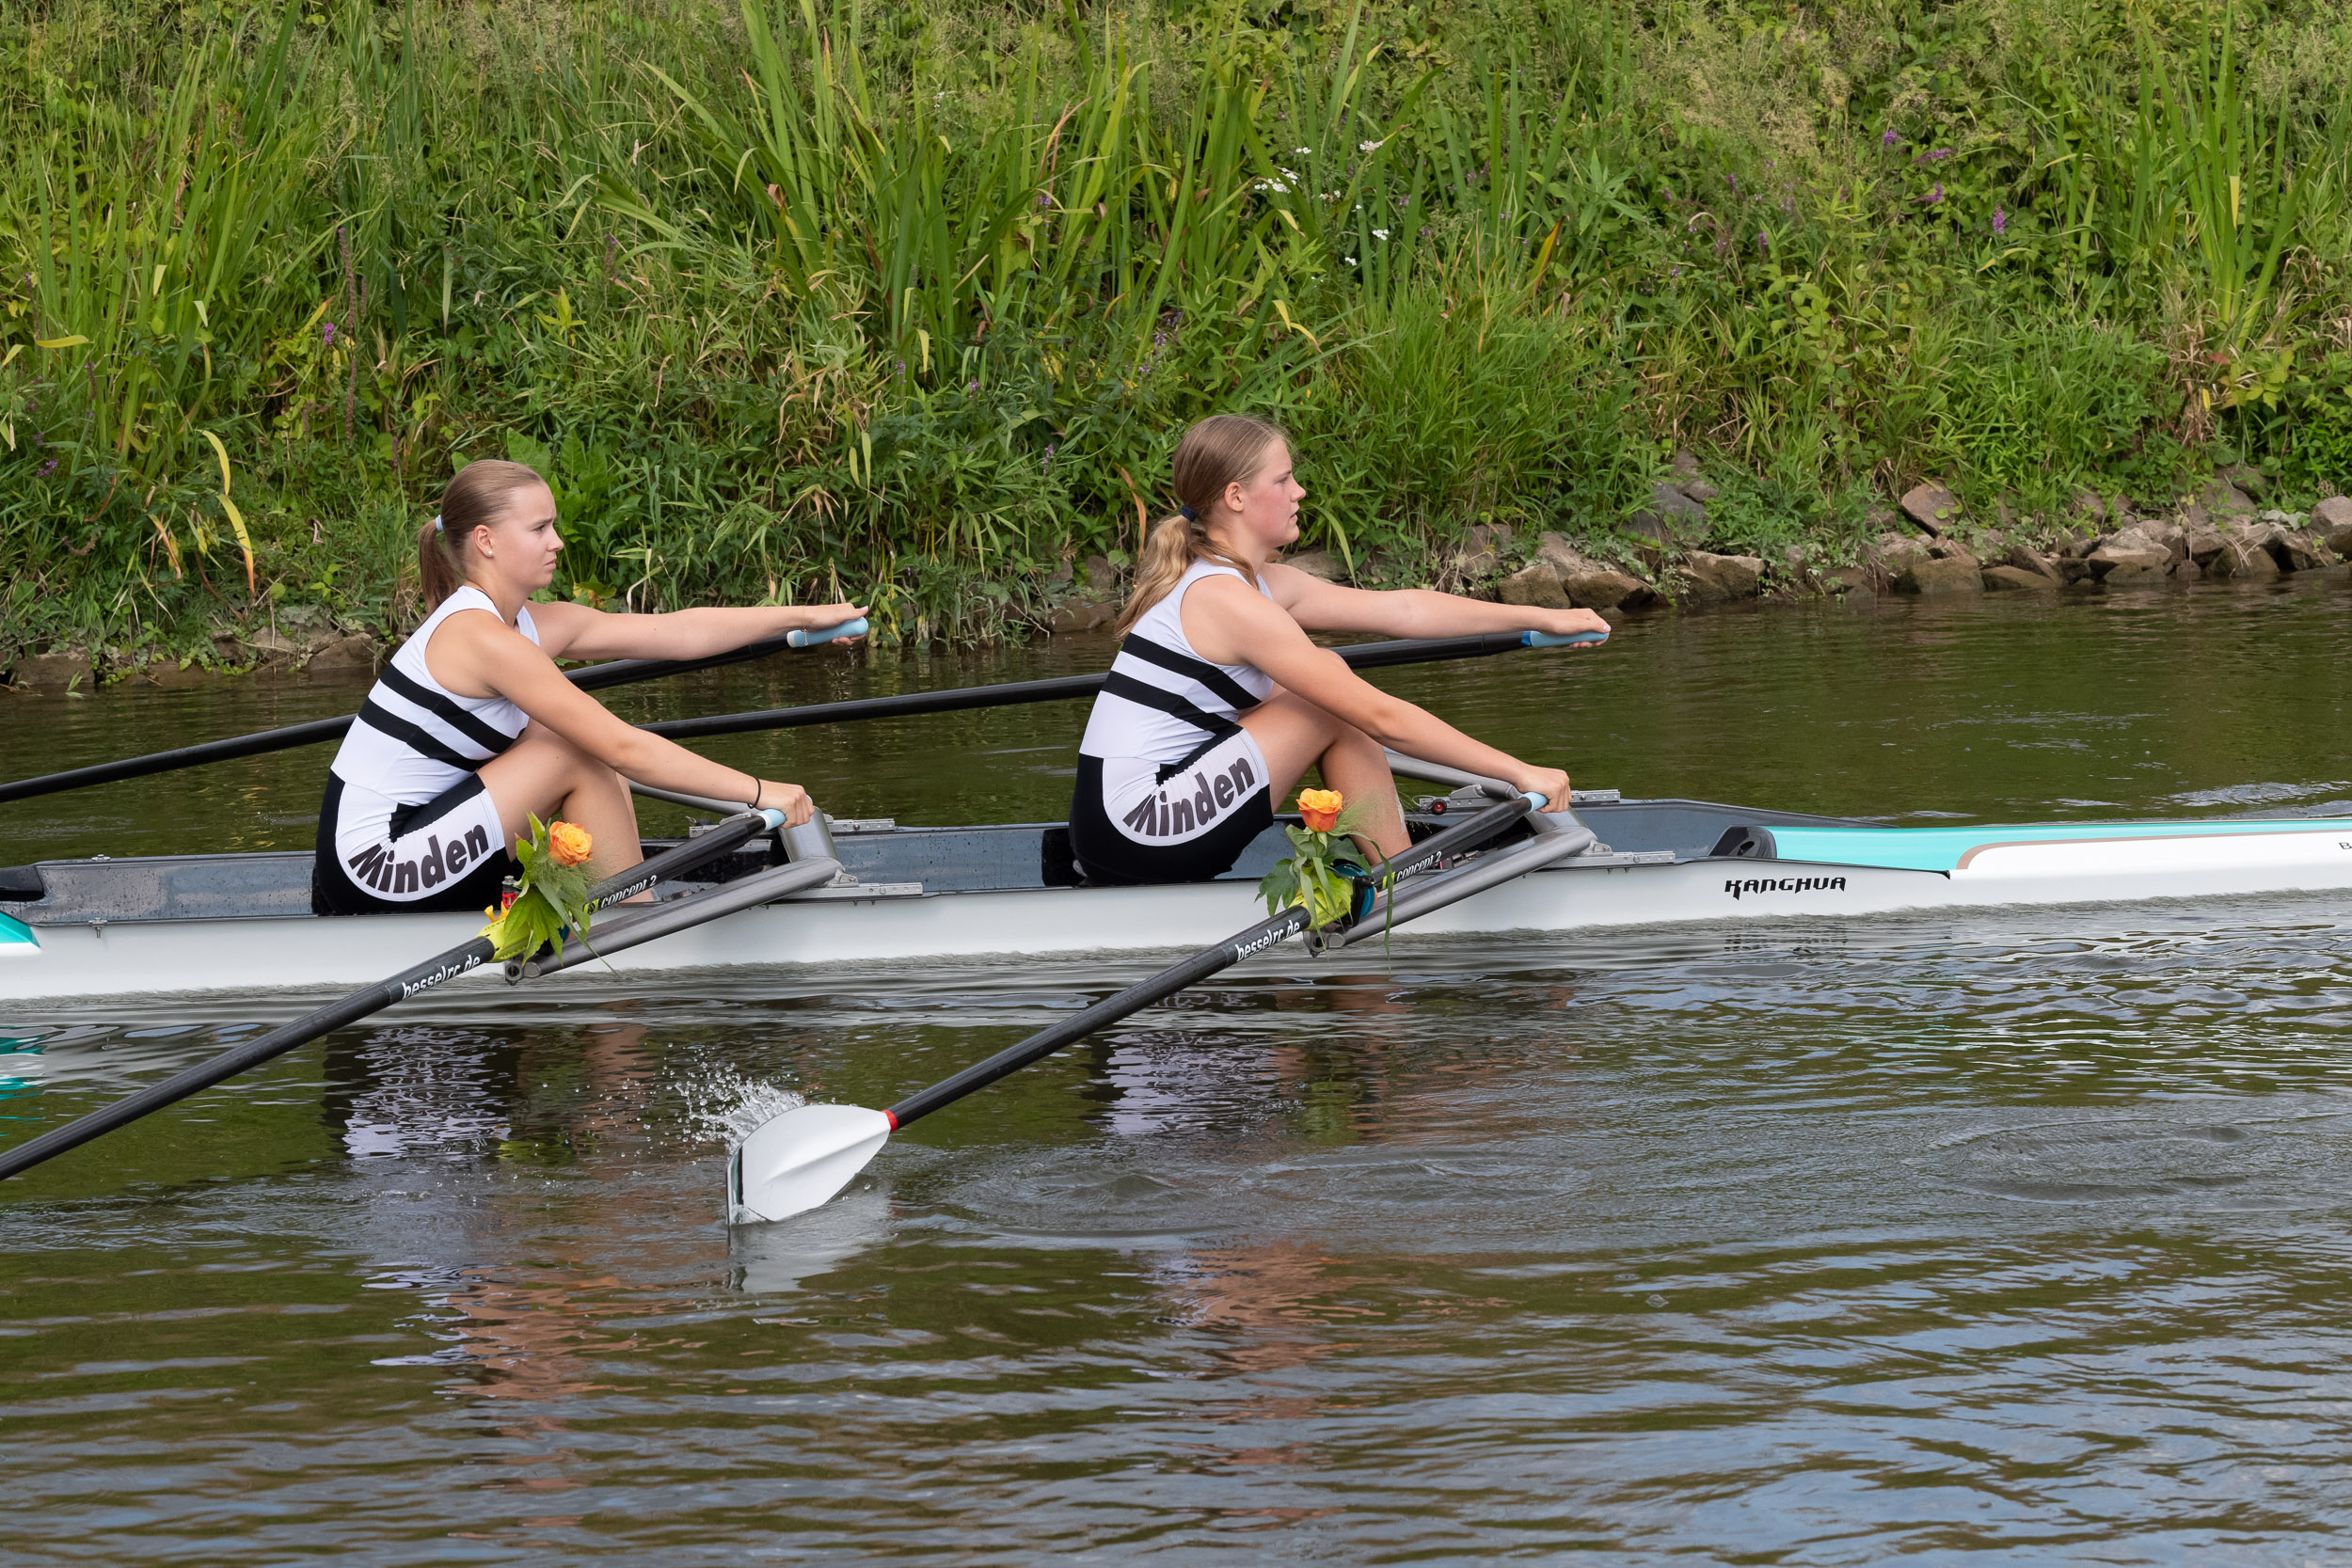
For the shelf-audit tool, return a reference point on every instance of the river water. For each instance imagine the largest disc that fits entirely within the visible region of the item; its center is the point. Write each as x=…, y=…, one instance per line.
x=2016, y=1237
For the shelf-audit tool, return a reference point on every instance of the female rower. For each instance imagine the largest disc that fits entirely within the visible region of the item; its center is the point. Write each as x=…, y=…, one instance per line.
x=472, y=730
x=1217, y=703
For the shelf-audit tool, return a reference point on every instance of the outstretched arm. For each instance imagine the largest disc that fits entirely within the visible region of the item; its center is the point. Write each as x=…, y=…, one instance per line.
x=576, y=631
x=1320, y=606
x=477, y=654
x=1229, y=623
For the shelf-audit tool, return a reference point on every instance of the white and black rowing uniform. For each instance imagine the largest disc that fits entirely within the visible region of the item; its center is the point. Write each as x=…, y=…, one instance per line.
x=406, y=823
x=1171, y=788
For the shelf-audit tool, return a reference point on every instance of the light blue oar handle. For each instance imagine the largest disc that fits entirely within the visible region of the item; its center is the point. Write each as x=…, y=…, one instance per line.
x=1534, y=801
x=1556, y=639
x=810, y=637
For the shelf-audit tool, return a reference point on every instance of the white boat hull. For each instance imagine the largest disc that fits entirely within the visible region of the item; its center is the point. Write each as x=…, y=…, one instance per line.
x=842, y=927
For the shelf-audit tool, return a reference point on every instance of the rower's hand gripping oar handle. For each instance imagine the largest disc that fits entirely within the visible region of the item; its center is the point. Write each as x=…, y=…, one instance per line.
x=1439, y=772
x=809, y=637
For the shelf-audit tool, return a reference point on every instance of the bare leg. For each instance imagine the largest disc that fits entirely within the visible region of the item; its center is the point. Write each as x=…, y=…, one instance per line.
x=545, y=775
x=1295, y=734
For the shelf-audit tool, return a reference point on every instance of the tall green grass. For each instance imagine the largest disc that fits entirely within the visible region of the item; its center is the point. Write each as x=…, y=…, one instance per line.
x=800, y=297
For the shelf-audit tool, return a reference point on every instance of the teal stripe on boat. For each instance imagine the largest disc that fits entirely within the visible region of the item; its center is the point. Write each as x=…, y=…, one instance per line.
x=1941, y=848
x=13, y=929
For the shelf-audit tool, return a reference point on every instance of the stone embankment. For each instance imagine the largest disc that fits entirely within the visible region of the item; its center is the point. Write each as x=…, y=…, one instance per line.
x=2112, y=542
x=302, y=638
x=1658, y=558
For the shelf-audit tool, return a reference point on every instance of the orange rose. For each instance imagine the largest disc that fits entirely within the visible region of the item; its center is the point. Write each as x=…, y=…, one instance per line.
x=1320, y=808
x=568, y=843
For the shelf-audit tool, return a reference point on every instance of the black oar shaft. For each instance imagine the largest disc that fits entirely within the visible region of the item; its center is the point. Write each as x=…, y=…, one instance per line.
x=1169, y=981
x=1464, y=834
x=1363, y=656
x=594, y=677
x=184, y=756
x=720, y=840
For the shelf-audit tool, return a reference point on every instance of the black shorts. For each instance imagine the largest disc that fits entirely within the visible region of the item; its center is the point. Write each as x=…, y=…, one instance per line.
x=1132, y=822
x=445, y=853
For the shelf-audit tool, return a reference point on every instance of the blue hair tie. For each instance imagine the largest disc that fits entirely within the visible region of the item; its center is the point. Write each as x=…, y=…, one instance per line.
x=436, y=522
x=1187, y=514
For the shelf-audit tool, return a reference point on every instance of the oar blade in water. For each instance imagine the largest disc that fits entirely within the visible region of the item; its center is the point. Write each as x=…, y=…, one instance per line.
x=792, y=1163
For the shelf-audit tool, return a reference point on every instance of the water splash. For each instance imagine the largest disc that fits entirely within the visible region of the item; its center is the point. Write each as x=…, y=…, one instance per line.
x=723, y=1106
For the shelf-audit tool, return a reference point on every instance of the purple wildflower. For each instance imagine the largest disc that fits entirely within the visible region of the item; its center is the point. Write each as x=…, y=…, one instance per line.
x=1733, y=181
x=1936, y=194
x=330, y=335
x=1763, y=242
x=46, y=469
x=2000, y=220
x=973, y=385
x=1890, y=138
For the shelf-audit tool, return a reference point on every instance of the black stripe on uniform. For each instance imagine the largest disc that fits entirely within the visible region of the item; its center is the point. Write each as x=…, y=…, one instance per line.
x=409, y=819
x=373, y=715
x=1134, y=691
x=1228, y=690
x=491, y=741
x=1208, y=744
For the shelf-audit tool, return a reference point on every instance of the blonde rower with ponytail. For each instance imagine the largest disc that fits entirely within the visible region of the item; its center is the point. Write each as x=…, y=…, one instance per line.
x=1218, y=703
x=472, y=730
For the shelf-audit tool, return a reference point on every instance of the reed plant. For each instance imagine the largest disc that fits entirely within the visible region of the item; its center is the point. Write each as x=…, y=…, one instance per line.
x=794, y=298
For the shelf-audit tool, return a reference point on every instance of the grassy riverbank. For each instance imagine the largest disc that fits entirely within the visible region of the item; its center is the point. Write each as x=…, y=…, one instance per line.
x=917, y=297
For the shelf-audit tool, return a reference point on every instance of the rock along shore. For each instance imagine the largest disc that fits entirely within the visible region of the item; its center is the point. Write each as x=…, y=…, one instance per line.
x=1932, y=546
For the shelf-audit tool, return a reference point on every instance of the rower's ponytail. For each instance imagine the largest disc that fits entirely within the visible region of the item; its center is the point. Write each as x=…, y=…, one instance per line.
x=475, y=498
x=1221, y=450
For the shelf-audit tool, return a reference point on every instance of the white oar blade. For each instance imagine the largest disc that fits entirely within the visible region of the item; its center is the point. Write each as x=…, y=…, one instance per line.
x=792, y=1163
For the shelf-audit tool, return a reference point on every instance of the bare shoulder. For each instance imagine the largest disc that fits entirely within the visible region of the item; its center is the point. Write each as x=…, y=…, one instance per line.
x=474, y=626
x=1227, y=620
x=1232, y=601
x=474, y=653
x=1288, y=584
x=560, y=623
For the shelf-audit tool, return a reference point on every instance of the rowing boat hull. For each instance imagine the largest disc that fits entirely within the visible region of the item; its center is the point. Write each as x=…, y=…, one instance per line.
x=847, y=927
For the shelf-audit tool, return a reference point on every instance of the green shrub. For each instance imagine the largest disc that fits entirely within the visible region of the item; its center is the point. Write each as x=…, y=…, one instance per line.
x=795, y=299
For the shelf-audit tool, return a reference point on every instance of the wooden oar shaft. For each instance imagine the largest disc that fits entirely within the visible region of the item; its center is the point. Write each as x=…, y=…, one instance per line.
x=721, y=839
x=1464, y=834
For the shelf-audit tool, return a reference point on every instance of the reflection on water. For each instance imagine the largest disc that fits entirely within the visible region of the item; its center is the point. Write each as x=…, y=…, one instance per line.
x=2015, y=1234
